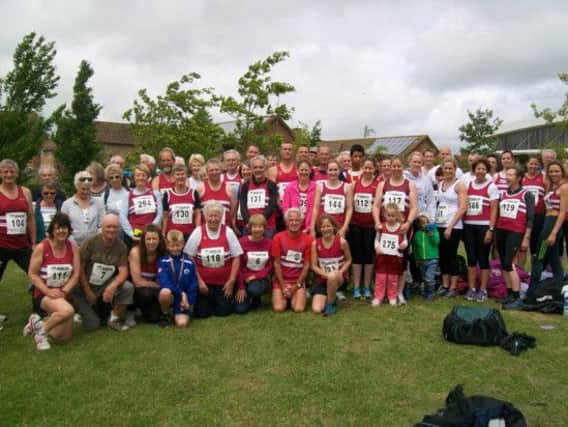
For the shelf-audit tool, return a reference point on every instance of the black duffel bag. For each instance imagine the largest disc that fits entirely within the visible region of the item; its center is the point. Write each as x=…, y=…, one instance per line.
x=474, y=325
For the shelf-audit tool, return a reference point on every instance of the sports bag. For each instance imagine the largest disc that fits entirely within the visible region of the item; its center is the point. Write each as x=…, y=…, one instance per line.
x=545, y=297
x=474, y=411
x=474, y=325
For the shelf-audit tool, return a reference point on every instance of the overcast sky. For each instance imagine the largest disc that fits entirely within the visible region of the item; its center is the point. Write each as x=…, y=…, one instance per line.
x=400, y=67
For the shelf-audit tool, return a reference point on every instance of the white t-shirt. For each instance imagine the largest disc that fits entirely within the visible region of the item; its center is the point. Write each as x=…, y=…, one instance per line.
x=195, y=239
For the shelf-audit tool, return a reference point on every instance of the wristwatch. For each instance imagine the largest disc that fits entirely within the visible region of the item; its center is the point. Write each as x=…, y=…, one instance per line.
x=299, y=285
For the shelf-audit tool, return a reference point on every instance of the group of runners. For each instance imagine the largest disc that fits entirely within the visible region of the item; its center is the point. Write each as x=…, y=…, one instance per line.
x=213, y=236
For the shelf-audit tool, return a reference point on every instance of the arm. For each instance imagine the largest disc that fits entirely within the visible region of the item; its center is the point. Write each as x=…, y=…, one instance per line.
x=243, y=202
x=377, y=202
x=166, y=210
x=429, y=200
x=271, y=173
x=159, y=209
x=126, y=227
x=165, y=278
x=315, y=211
x=230, y=284
x=412, y=207
x=551, y=240
x=272, y=199
x=116, y=283
x=529, y=201
x=68, y=287
x=31, y=222
x=347, y=255
x=233, y=207
x=462, y=205
x=348, y=209
x=196, y=209
x=33, y=273
x=314, y=261
x=156, y=183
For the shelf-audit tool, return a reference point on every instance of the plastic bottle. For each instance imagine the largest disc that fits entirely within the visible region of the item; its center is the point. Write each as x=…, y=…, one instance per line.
x=565, y=295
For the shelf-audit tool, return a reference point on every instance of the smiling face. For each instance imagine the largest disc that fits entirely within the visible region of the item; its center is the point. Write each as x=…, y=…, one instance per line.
x=175, y=247
x=60, y=233
x=333, y=171
x=326, y=228
x=368, y=169
x=231, y=162
x=533, y=166
x=258, y=170
x=8, y=174
x=303, y=153
x=110, y=228
x=257, y=231
x=512, y=177
x=416, y=164
x=180, y=178
x=293, y=221
x=214, y=173
x=480, y=172
x=167, y=160
x=213, y=218
x=506, y=160
x=286, y=151
x=304, y=172
x=396, y=168
x=152, y=241
x=140, y=179
x=356, y=159
x=449, y=171
x=555, y=173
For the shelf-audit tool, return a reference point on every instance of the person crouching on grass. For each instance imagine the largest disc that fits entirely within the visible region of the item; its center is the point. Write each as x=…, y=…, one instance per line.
x=389, y=245
x=178, y=282
x=330, y=259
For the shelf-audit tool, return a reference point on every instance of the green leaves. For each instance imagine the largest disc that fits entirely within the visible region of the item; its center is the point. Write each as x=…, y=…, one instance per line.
x=479, y=131
x=559, y=117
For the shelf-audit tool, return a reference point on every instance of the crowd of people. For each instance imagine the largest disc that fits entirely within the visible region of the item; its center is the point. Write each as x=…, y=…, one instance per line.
x=211, y=237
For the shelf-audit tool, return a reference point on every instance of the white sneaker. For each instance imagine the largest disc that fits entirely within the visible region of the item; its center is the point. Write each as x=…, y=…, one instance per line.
x=42, y=343
x=393, y=303
x=340, y=296
x=117, y=325
x=77, y=320
x=375, y=302
x=3, y=318
x=129, y=319
x=401, y=299
x=29, y=328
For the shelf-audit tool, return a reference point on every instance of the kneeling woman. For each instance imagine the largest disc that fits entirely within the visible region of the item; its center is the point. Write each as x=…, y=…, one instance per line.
x=331, y=259
x=143, y=263
x=256, y=266
x=216, y=251
x=54, y=272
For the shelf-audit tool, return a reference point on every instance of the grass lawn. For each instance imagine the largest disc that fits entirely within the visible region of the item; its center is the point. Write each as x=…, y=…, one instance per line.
x=381, y=367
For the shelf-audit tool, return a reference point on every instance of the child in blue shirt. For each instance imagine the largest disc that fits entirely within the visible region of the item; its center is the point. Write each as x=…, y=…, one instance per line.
x=178, y=282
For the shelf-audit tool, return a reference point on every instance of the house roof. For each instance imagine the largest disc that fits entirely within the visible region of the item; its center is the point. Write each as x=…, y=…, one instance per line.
x=520, y=125
x=114, y=133
x=394, y=145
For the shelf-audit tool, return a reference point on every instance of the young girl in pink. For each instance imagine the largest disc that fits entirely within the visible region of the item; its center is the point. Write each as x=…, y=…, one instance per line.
x=389, y=244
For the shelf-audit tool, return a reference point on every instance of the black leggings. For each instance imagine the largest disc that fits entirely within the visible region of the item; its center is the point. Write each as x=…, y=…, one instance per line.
x=146, y=299
x=449, y=252
x=547, y=254
x=476, y=249
x=214, y=303
x=507, y=244
x=538, y=223
x=362, y=244
x=19, y=256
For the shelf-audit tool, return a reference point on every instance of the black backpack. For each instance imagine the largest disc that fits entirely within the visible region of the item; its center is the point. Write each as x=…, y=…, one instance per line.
x=474, y=325
x=473, y=411
x=545, y=297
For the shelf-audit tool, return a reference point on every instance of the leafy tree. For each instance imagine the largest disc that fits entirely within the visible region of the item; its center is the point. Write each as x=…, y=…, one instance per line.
x=257, y=92
x=75, y=139
x=179, y=119
x=25, y=90
x=559, y=117
x=304, y=135
x=479, y=132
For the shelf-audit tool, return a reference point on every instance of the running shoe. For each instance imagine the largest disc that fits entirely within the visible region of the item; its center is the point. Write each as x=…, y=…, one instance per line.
x=401, y=299
x=356, y=293
x=452, y=293
x=129, y=319
x=393, y=303
x=340, y=296
x=117, y=325
x=41, y=340
x=515, y=305
x=471, y=294
x=442, y=291
x=3, y=318
x=165, y=320
x=376, y=302
x=330, y=309
x=29, y=328
x=481, y=296
x=367, y=293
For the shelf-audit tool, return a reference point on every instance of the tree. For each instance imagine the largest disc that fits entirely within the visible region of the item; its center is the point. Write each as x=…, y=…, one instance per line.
x=304, y=135
x=25, y=90
x=75, y=139
x=479, y=132
x=179, y=119
x=559, y=118
x=257, y=92
x=368, y=131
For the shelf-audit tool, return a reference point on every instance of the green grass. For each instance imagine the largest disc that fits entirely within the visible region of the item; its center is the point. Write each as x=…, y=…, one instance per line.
x=381, y=367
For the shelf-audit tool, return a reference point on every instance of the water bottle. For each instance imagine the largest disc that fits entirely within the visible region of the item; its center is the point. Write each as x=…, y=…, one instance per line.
x=565, y=295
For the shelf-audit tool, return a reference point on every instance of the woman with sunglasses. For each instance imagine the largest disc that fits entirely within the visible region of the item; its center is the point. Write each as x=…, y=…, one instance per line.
x=115, y=197
x=46, y=206
x=85, y=212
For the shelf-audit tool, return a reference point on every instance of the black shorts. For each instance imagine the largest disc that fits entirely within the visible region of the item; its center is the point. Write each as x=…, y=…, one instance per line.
x=36, y=304
x=319, y=289
x=19, y=256
x=362, y=244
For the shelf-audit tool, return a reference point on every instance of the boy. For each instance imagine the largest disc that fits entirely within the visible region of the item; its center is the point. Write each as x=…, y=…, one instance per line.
x=426, y=253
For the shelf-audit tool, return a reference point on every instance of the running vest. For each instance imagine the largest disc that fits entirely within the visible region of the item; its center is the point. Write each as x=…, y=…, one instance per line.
x=257, y=201
x=552, y=200
x=233, y=182
x=220, y=195
x=397, y=194
x=333, y=202
x=14, y=221
x=478, y=205
x=390, y=241
x=363, y=203
x=213, y=258
x=512, y=212
x=330, y=259
x=319, y=176
x=142, y=209
x=149, y=271
x=55, y=272
x=164, y=184
x=352, y=176
x=284, y=178
x=255, y=256
x=180, y=211
x=447, y=206
x=535, y=186
x=501, y=182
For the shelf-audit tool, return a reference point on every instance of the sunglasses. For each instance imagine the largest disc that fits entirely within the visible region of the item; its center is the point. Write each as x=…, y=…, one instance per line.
x=114, y=177
x=49, y=193
x=85, y=179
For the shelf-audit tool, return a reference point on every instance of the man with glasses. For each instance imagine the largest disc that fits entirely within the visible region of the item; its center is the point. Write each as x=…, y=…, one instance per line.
x=47, y=173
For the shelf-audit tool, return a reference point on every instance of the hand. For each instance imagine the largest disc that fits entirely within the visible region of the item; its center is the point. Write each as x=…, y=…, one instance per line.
x=241, y=295
x=488, y=237
x=379, y=227
x=551, y=240
x=55, y=293
x=228, y=288
x=404, y=228
x=447, y=233
x=203, y=289
x=108, y=294
x=287, y=290
x=184, y=303
x=379, y=250
x=342, y=232
x=90, y=296
x=402, y=246
x=525, y=244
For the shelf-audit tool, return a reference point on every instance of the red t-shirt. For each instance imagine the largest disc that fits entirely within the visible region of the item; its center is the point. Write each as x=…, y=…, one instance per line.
x=293, y=252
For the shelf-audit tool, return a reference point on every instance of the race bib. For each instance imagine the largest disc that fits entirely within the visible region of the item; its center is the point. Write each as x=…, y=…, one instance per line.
x=396, y=197
x=16, y=223
x=256, y=261
x=256, y=199
x=363, y=202
x=334, y=204
x=303, y=203
x=328, y=265
x=294, y=257
x=282, y=188
x=182, y=213
x=442, y=213
x=58, y=274
x=144, y=205
x=509, y=208
x=213, y=257
x=474, y=205
x=101, y=273
x=389, y=244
